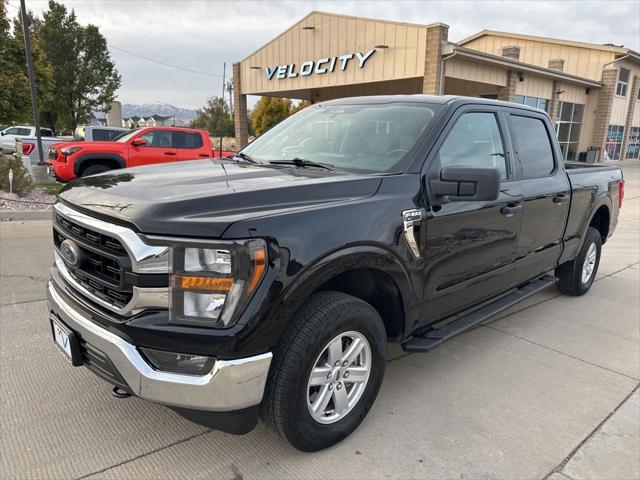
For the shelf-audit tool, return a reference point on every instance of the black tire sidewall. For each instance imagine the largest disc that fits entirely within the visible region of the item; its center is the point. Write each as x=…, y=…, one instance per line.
x=94, y=170
x=301, y=429
x=592, y=238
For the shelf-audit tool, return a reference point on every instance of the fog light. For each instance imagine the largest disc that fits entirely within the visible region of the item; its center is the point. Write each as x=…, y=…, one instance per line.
x=178, y=362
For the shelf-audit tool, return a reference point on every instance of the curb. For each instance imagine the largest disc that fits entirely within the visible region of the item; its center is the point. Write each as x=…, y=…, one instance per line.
x=17, y=216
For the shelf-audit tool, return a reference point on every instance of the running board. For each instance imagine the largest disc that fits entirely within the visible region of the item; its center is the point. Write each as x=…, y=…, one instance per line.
x=433, y=338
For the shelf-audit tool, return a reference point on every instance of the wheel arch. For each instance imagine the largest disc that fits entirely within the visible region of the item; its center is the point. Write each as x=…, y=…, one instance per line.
x=371, y=273
x=83, y=161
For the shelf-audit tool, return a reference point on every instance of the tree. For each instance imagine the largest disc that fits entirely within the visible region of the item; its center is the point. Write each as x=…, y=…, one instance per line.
x=269, y=111
x=15, y=95
x=215, y=117
x=300, y=106
x=84, y=76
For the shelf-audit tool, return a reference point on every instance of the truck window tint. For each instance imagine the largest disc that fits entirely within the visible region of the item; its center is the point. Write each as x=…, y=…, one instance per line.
x=359, y=137
x=187, y=140
x=474, y=141
x=102, y=135
x=158, y=138
x=533, y=146
x=46, y=132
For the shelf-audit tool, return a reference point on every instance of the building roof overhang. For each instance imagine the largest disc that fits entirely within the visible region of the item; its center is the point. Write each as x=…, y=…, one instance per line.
x=537, y=38
x=452, y=50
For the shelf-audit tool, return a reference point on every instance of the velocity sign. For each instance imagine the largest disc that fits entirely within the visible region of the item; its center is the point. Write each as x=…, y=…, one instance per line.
x=323, y=65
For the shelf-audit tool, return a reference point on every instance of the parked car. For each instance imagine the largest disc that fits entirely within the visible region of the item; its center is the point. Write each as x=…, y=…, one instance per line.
x=269, y=284
x=143, y=146
x=93, y=133
x=9, y=135
x=28, y=147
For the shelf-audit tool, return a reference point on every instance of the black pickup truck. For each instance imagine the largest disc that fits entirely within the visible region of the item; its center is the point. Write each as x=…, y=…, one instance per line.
x=270, y=283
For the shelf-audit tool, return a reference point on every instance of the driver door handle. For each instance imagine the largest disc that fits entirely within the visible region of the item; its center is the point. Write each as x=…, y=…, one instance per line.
x=560, y=198
x=169, y=153
x=511, y=209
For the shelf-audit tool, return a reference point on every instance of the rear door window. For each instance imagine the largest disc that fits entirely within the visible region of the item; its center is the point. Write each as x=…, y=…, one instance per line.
x=188, y=140
x=474, y=141
x=533, y=146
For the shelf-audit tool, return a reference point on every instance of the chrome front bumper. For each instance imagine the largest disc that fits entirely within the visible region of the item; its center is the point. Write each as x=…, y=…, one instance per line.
x=231, y=384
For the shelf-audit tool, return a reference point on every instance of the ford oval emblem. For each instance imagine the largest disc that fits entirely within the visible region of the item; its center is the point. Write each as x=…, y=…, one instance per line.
x=70, y=252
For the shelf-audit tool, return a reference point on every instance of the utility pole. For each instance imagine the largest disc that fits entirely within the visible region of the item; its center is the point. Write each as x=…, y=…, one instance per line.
x=32, y=79
x=224, y=84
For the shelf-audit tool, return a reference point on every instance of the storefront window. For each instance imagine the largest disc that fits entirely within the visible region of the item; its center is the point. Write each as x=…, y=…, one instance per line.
x=615, y=134
x=535, y=102
x=633, y=148
x=568, y=128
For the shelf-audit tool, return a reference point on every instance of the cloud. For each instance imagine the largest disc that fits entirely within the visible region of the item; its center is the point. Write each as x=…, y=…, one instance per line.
x=201, y=35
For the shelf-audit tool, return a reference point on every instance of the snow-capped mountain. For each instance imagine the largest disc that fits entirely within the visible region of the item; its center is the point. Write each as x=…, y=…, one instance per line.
x=164, y=109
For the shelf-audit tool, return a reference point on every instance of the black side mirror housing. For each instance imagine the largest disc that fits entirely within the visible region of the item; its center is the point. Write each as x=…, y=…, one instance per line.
x=463, y=184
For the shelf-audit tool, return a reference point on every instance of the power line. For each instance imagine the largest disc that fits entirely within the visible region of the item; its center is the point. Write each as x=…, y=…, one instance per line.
x=159, y=62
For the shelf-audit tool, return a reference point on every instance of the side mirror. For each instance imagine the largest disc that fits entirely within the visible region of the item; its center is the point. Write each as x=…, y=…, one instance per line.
x=462, y=184
x=3, y=133
x=138, y=142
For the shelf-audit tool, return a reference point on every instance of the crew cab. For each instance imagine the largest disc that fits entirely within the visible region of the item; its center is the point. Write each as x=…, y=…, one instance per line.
x=9, y=135
x=269, y=284
x=142, y=146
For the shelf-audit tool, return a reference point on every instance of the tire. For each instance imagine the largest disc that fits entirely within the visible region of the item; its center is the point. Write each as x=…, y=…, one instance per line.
x=570, y=273
x=322, y=318
x=94, y=170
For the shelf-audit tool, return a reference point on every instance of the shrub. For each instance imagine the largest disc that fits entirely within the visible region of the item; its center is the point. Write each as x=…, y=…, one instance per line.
x=22, y=182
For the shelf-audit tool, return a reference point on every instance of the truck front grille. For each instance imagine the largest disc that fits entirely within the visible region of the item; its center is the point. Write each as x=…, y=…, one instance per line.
x=101, y=263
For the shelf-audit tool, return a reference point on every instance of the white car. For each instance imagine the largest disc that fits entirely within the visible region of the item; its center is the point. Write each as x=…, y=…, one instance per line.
x=8, y=136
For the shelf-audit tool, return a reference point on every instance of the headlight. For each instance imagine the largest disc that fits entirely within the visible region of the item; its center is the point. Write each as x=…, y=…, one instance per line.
x=211, y=283
x=69, y=151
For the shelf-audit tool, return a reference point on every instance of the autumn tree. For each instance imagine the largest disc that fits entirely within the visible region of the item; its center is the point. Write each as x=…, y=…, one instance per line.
x=269, y=111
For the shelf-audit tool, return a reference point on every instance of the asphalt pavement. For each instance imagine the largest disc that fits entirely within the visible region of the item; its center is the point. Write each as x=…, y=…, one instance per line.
x=548, y=389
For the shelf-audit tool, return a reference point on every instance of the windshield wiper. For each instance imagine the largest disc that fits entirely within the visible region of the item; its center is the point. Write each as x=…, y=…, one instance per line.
x=244, y=157
x=301, y=162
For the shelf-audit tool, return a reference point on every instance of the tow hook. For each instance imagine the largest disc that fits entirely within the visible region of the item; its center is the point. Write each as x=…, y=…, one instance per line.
x=120, y=393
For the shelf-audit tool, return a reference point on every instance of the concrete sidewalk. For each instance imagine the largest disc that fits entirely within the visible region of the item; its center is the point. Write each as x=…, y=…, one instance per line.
x=548, y=389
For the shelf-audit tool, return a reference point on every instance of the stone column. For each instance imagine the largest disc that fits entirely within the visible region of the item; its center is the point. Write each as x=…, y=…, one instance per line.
x=603, y=112
x=437, y=35
x=554, y=104
x=633, y=100
x=240, y=118
x=508, y=92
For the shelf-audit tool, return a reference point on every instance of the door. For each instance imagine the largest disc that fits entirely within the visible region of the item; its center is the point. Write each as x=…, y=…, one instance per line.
x=189, y=146
x=547, y=194
x=471, y=245
x=159, y=148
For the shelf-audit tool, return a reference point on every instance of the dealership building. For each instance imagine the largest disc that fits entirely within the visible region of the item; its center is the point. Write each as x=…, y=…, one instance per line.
x=590, y=91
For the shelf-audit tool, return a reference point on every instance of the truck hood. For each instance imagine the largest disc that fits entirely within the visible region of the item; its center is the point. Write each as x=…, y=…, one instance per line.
x=204, y=197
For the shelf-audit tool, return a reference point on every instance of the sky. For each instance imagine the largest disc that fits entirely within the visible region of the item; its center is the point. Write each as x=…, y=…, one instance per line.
x=201, y=35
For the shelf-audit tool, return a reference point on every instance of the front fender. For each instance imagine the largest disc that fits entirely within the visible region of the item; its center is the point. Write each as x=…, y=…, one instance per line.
x=292, y=288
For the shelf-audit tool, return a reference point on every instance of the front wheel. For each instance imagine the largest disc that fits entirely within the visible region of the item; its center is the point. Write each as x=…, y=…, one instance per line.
x=326, y=371
x=577, y=276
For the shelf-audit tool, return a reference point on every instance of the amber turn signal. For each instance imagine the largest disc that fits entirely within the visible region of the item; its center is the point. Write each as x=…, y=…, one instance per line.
x=210, y=284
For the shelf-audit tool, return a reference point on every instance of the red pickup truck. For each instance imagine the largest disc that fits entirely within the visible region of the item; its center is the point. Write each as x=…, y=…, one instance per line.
x=142, y=146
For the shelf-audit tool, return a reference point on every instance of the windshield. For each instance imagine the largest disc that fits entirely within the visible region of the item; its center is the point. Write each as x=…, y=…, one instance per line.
x=372, y=138
x=127, y=136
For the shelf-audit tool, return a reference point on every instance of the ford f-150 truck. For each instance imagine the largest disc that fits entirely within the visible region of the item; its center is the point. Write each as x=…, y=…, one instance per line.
x=142, y=146
x=270, y=283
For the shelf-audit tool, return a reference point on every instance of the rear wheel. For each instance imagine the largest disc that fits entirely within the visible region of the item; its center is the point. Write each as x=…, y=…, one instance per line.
x=94, y=170
x=577, y=276
x=326, y=371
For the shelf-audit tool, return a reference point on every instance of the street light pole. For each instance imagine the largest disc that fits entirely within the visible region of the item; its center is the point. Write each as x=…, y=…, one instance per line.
x=32, y=79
